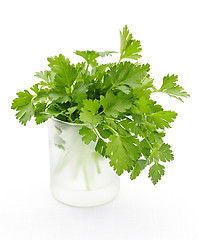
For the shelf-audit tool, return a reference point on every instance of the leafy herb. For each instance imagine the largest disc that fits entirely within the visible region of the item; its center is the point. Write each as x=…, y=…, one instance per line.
x=170, y=87
x=113, y=101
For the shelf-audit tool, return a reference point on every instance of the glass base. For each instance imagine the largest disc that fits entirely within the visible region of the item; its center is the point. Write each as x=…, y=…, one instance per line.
x=90, y=198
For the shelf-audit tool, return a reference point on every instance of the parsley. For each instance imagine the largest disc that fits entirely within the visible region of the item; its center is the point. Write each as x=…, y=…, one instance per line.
x=112, y=100
x=170, y=87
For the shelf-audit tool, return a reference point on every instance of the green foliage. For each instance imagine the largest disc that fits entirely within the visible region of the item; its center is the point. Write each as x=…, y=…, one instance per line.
x=139, y=166
x=89, y=112
x=90, y=56
x=129, y=47
x=125, y=147
x=156, y=172
x=113, y=105
x=162, y=118
x=24, y=106
x=88, y=134
x=128, y=74
x=171, y=87
x=113, y=101
x=162, y=153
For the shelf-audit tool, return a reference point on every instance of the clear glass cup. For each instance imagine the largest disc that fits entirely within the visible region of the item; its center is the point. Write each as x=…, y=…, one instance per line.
x=79, y=176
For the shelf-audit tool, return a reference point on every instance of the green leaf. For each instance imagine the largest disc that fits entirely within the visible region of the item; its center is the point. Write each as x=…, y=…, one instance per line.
x=59, y=94
x=40, y=108
x=40, y=113
x=156, y=172
x=41, y=94
x=133, y=126
x=139, y=166
x=122, y=152
x=129, y=47
x=87, y=117
x=47, y=76
x=143, y=105
x=145, y=88
x=89, y=112
x=164, y=153
x=113, y=105
x=162, y=118
x=44, y=112
x=90, y=56
x=124, y=89
x=79, y=92
x=23, y=99
x=88, y=135
x=129, y=74
x=119, y=158
x=154, y=107
x=92, y=106
x=145, y=148
x=71, y=110
x=42, y=118
x=106, y=53
x=101, y=147
x=25, y=113
x=65, y=72
x=171, y=87
x=103, y=131
x=24, y=107
x=156, y=137
x=99, y=73
x=136, y=75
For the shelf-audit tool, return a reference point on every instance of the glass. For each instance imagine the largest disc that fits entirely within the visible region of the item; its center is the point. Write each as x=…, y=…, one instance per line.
x=79, y=176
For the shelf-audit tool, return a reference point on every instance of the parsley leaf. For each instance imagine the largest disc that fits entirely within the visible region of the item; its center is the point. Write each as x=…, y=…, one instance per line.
x=122, y=152
x=101, y=147
x=129, y=74
x=163, y=154
x=156, y=172
x=23, y=104
x=59, y=94
x=129, y=47
x=88, y=113
x=90, y=56
x=88, y=134
x=139, y=166
x=171, y=87
x=103, y=131
x=65, y=72
x=113, y=105
x=47, y=76
x=162, y=118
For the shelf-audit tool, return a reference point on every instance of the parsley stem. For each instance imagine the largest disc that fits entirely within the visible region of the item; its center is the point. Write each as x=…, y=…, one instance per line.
x=86, y=177
x=101, y=112
x=95, y=131
x=112, y=129
x=69, y=117
x=149, y=143
x=96, y=160
x=114, y=85
x=86, y=72
x=120, y=58
x=97, y=166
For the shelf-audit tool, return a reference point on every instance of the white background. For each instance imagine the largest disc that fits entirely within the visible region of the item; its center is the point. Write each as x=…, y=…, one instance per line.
x=31, y=31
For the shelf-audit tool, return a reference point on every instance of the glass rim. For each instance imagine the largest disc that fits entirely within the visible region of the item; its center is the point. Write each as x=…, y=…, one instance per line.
x=68, y=123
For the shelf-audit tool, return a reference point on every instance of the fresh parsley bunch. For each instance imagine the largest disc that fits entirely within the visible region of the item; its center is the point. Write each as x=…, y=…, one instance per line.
x=127, y=126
